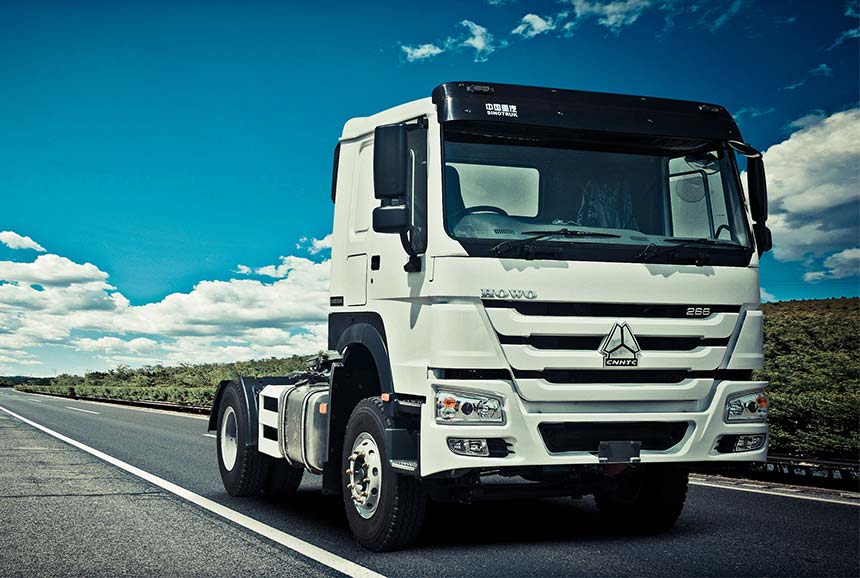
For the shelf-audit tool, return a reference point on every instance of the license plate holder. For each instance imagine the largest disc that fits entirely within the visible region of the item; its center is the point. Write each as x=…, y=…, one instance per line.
x=619, y=452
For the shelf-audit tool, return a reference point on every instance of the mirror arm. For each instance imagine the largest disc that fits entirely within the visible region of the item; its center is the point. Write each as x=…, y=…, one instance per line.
x=413, y=265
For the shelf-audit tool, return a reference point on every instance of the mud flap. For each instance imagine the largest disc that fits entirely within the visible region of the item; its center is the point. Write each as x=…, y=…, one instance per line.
x=403, y=447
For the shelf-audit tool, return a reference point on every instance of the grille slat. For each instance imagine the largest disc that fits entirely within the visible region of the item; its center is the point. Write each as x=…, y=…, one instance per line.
x=553, y=309
x=592, y=342
x=614, y=375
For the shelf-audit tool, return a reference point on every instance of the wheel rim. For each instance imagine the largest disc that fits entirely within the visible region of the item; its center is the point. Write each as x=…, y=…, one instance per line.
x=228, y=439
x=364, y=475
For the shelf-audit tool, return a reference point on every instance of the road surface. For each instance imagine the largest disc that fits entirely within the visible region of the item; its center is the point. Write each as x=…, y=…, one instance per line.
x=722, y=532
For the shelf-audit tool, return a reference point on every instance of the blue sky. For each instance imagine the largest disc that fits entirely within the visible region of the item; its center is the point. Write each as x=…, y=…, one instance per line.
x=166, y=143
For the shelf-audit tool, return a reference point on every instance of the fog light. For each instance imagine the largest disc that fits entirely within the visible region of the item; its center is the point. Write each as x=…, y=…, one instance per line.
x=473, y=407
x=469, y=446
x=748, y=443
x=750, y=406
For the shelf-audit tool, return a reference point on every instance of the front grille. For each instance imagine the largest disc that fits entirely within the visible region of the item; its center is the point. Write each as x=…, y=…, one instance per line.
x=474, y=374
x=651, y=343
x=586, y=437
x=615, y=375
x=606, y=309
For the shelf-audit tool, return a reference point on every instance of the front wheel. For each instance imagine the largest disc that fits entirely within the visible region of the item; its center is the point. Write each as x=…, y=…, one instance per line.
x=385, y=510
x=646, y=500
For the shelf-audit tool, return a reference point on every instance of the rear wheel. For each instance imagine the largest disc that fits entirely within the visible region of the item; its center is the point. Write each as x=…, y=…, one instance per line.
x=243, y=469
x=646, y=500
x=385, y=510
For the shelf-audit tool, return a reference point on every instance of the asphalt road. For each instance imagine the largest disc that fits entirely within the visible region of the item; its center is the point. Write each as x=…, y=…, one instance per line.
x=722, y=532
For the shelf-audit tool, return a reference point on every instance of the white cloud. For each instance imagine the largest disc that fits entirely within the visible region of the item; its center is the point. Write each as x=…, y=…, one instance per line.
x=243, y=269
x=794, y=85
x=50, y=270
x=821, y=70
x=614, y=15
x=55, y=302
x=725, y=14
x=852, y=10
x=478, y=38
x=766, y=296
x=810, y=119
x=475, y=36
x=752, y=112
x=15, y=241
x=814, y=188
x=838, y=266
x=318, y=245
x=421, y=52
x=138, y=345
x=846, y=35
x=533, y=25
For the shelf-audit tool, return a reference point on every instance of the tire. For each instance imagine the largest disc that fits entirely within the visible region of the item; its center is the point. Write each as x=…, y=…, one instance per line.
x=244, y=470
x=647, y=500
x=283, y=479
x=395, y=518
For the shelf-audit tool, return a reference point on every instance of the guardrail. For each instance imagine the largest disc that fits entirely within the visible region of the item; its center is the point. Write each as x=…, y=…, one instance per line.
x=840, y=474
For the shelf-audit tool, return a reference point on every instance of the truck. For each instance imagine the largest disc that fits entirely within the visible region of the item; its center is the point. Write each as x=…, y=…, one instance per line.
x=534, y=292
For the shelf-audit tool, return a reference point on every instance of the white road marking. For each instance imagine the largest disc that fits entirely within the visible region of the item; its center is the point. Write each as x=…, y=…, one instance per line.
x=36, y=400
x=773, y=493
x=210, y=435
x=83, y=410
x=298, y=545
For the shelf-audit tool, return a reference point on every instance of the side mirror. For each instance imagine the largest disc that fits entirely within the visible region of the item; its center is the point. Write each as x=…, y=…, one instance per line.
x=391, y=178
x=757, y=189
x=763, y=238
x=390, y=161
x=391, y=219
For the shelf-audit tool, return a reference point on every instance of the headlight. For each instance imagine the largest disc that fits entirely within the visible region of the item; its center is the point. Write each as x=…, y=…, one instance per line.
x=750, y=406
x=459, y=407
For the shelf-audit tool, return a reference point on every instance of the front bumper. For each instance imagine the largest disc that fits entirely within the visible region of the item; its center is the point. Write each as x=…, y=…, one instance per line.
x=520, y=430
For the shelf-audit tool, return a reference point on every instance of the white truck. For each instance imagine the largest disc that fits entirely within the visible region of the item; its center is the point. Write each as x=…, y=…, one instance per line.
x=534, y=292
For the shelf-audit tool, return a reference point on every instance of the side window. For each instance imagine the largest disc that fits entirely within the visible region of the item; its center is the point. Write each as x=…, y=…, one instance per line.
x=688, y=201
x=515, y=190
x=697, y=200
x=363, y=200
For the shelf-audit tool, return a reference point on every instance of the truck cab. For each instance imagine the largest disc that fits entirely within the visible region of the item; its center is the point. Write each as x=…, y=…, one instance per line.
x=555, y=288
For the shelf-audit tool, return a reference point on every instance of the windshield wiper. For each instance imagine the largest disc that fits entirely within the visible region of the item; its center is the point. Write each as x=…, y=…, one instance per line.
x=690, y=241
x=686, y=243
x=508, y=246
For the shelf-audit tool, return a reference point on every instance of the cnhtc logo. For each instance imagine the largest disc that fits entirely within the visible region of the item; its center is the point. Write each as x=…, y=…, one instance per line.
x=619, y=348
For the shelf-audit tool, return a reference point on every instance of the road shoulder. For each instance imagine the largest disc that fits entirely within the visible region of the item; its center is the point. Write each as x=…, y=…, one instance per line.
x=68, y=513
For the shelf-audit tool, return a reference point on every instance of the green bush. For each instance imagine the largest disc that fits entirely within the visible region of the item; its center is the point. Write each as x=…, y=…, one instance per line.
x=191, y=396
x=185, y=384
x=812, y=361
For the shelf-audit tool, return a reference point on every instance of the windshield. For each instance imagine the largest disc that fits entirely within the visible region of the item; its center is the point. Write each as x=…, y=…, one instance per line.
x=608, y=200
